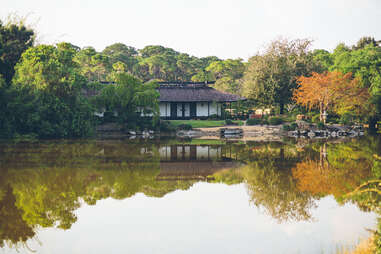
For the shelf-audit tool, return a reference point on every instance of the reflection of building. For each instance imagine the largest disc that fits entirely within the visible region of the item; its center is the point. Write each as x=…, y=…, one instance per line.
x=192, y=162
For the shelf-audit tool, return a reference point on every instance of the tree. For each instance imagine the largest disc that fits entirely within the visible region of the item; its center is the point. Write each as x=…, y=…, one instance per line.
x=271, y=77
x=364, y=41
x=48, y=99
x=15, y=38
x=227, y=74
x=364, y=61
x=129, y=98
x=331, y=89
x=119, y=52
x=323, y=59
x=95, y=66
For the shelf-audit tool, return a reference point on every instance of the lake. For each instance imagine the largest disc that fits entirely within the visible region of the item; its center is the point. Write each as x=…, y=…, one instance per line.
x=188, y=196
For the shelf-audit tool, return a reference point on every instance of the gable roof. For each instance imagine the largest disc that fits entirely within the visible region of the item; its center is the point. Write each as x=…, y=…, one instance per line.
x=193, y=92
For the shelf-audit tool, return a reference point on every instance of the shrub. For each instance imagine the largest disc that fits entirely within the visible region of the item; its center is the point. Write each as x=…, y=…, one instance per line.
x=275, y=121
x=229, y=122
x=294, y=126
x=315, y=118
x=286, y=127
x=320, y=125
x=165, y=126
x=253, y=121
x=185, y=127
x=346, y=119
x=213, y=117
x=290, y=127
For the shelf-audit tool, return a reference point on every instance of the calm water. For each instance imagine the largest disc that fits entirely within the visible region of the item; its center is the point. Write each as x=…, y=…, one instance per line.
x=187, y=196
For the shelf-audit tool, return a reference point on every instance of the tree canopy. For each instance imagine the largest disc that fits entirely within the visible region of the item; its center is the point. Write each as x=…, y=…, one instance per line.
x=271, y=77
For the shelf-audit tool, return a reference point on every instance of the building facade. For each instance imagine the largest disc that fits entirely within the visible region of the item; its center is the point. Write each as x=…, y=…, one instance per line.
x=192, y=100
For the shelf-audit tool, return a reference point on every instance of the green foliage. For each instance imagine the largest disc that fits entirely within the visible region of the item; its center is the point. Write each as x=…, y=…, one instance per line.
x=184, y=126
x=323, y=59
x=166, y=127
x=275, y=120
x=227, y=74
x=290, y=127
x=315, y=118
x=253, y=121
x=320, y=125
x=346, y=119
x=118, y=52
x=14, y=40
x=130, y=100
x=46, y=94
x=94, y=66
x=229, y=122
x=270, y=78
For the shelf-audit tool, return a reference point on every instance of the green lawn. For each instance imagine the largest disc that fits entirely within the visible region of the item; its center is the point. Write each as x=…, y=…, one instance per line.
x=202, y=123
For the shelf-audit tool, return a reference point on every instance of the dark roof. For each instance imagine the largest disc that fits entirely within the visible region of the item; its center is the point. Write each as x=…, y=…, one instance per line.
x=193, y=92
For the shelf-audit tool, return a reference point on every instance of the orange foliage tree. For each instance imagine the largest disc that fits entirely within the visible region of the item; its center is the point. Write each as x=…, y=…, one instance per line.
x=333, y=90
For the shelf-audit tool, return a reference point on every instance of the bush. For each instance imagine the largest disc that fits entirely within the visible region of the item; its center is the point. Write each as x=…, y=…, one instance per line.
x=286, y=127
x=185, y=127
x=165, y=126
x=213, y=117
x=320, y=125
x=275, y=121
x=290, y=127
x=253, y=121
x=346, y=119
x=229, y=122
x=315, y=118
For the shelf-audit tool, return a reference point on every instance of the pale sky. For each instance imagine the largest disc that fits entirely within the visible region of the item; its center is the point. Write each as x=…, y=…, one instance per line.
x=225, y=28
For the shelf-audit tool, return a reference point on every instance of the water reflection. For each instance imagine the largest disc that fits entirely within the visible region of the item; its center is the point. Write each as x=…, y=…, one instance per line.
x=44, y=184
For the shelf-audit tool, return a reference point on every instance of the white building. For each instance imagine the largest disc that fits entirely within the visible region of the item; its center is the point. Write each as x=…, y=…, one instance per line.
x=191, y=100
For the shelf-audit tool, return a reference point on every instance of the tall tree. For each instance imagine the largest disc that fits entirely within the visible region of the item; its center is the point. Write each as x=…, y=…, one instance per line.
x=364, y=61
x=228, y=74
x=95, y=66
x=119, y=52
x=129, y=98
x=364, y=41
x=14, y=40
x=271, y=77
x=332, y=89
x=48, y=85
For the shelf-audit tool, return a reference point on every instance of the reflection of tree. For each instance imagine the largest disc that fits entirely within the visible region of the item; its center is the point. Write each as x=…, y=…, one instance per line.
x=269, y=181
x=339, y=170
x=13, y=229
x=275, y=190
x=48, y=181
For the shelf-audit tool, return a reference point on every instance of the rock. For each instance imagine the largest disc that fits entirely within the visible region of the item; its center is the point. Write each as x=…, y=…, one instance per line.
x=353, y=133
x=132, y=133
x=311, y=134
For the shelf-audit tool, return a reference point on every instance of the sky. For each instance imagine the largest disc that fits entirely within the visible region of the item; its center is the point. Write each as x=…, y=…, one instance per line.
x=224, y=28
